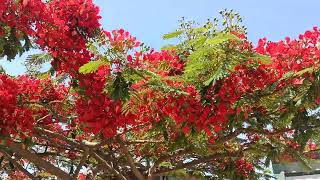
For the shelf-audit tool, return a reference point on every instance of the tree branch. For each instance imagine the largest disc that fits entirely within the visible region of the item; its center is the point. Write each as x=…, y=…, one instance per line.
x=195, y=162
x=130, y=160
x=229, y=136
x=165, y=158
x=17, y=165
x=138, y=141
x=17, y=148
x=81, y=163
x=59, y=136
x=108, y=167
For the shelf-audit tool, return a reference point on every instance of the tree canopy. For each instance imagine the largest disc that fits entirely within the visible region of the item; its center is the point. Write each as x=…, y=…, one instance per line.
x=212, y=106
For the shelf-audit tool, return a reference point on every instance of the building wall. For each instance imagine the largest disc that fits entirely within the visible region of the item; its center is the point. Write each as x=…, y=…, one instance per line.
x=308, y=177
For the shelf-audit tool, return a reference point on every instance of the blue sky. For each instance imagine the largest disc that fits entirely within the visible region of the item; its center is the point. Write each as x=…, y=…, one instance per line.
x=148, y=20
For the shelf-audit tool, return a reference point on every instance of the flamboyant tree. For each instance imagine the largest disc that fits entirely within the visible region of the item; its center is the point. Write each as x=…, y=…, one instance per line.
x=211, y=106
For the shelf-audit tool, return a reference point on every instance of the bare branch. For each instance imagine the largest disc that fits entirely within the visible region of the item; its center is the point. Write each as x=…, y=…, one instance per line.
x=17, y=148
x=108, y=167
x=59, y=136
x=195, y=162
x=165, y=158
x=143, y=141
x=17, y=165
x=130, y=160
x=81, y=163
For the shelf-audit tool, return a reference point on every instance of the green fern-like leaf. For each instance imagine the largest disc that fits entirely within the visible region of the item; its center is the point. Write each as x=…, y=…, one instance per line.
x=303, y=71
x=35, y=62
x=172, y=34
x=169, y=47
x=92, y=66
x=37, y=59
x=206, y=65
x=262, y=58
x=220, y=38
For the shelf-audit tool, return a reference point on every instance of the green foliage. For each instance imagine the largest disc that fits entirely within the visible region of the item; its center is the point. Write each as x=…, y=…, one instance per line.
x=119, y=88
x=169, y=47
x=211, y=56
x=13, y=42
x=262, y=58
x=35, y=62
x=172, y=34
x=158, y=83
x=92, y=66
x=2, y=70
x=210, y=53
x=303, y=71
x=220, y=38
x=299, y=73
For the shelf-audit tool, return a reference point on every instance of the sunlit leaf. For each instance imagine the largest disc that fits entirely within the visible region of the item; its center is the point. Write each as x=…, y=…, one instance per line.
x=172, y=35
x=92, y=66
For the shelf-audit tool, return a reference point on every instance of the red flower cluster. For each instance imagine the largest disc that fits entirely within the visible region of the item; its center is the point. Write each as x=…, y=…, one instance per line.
x=17, y=98
x=61, y=27
x=287, y=56
x=21, y=15
x=14, y=117
x=121, y=40
x=65, y=32
x=97, y=111
x=164, y=63
x=244, y=167
x=189, y=112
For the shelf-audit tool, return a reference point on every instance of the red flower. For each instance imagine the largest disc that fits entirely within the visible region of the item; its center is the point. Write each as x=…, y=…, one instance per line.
x=318, y=100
